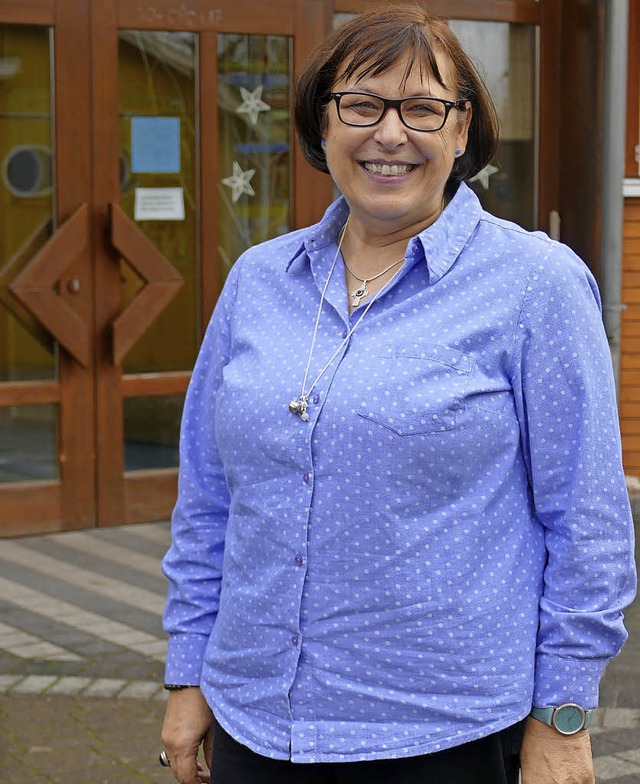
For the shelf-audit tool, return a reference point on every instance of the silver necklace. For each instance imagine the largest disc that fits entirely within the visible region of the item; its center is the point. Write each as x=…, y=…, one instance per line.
x=300, y=404
x=361, y=292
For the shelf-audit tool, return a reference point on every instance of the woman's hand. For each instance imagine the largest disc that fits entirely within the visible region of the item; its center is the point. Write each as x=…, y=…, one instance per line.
x=187, y=725
x=547, y=757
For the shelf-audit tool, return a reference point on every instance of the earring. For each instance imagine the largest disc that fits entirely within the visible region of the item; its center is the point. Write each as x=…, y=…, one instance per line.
x=324, y=142
x=458, y=151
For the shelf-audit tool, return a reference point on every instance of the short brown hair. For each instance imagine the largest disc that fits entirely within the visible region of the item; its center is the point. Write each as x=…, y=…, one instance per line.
x=372, y=43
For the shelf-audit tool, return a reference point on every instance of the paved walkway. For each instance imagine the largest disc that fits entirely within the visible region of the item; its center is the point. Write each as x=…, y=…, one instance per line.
x=81, y=652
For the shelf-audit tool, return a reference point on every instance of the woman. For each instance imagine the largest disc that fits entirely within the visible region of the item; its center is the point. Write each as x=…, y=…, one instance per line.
x=402, y=523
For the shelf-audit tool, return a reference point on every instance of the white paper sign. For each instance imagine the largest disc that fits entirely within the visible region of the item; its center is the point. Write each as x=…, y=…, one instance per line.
x=159, y=204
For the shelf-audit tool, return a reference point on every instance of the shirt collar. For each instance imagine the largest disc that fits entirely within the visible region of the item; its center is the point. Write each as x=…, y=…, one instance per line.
x=321, y=234
x=440, y=244
x=443, y=241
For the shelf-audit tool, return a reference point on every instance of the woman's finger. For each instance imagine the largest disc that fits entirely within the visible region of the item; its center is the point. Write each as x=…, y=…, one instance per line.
x=185, y=768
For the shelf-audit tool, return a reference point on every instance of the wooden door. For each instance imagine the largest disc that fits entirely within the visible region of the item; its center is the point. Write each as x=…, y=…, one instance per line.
x=142, y=148
x=194, y=162
x=46, y=289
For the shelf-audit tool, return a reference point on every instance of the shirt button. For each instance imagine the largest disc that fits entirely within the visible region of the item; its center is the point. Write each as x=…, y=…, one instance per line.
x=306, y=478
x=316, y=399
x=299, y=560
x=295, y=639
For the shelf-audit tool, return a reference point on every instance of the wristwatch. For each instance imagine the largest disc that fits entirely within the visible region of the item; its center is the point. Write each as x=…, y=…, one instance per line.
x=567, y=719
x=177, y=686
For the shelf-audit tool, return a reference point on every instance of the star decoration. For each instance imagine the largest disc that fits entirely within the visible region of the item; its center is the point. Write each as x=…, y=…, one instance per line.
x=252, y=104
x=239, y=182
x=483, y=176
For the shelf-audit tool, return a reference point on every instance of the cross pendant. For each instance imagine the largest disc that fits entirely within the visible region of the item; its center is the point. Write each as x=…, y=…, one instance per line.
x=358, y=295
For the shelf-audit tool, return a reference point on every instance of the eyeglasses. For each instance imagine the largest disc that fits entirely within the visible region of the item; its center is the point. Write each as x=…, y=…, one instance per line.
x=418, y=114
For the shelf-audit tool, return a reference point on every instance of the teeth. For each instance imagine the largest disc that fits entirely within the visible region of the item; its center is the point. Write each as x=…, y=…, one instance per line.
x=386, y=170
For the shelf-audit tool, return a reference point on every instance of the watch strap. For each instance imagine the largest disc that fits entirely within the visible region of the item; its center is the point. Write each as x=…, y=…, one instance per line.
x=545, y=715
x=178, y=686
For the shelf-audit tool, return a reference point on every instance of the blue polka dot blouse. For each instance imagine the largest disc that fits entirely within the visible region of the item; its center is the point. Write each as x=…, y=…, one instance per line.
x=446, y=541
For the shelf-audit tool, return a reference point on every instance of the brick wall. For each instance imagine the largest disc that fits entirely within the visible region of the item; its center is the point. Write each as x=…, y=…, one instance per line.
x=630, y=345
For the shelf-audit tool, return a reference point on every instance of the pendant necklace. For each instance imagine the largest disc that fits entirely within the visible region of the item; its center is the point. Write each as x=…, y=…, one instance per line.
x=299, y=404
x=361, y=292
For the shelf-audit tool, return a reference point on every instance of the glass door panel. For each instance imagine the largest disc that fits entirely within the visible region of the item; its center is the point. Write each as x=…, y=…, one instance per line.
x=152, y=430
x=158, y=123
x=28, y=433
x=254, y=134
x=507, y=57
x=28, y=443
x=158, y=177
x=27, y=351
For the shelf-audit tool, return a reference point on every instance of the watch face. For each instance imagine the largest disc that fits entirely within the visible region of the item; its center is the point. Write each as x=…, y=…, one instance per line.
x=569, y=719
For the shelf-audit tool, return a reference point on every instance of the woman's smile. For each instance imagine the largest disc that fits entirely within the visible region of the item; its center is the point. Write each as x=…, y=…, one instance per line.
x=388, y=170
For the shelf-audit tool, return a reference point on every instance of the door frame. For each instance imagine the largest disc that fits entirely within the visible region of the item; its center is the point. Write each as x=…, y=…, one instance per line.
x=37, y=506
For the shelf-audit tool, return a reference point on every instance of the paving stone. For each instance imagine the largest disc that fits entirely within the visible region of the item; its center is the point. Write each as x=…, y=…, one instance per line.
x=69, y=684
x=141, y=689
x=616, y=718
x=615, y=767
x=34, y=684
x=8, y=681
x=614, y=741
x=104, y=687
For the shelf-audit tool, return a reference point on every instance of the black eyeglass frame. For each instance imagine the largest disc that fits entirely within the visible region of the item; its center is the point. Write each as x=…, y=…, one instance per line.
x=396, y=103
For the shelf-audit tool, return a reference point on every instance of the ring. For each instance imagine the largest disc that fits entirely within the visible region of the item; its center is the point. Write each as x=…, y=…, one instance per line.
x=164, y=760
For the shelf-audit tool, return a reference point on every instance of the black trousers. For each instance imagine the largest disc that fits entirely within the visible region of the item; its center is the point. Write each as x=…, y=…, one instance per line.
x=491, y=760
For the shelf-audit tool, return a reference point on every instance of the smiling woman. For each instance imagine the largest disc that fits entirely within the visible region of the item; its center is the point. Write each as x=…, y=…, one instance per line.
x=399, y=446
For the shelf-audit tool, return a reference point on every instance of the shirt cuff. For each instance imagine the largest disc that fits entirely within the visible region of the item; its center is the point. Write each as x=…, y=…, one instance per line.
x=559, y=680
x=185, y=655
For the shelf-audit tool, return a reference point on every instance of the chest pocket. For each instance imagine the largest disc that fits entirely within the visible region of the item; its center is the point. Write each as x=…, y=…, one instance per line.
x=417, y=391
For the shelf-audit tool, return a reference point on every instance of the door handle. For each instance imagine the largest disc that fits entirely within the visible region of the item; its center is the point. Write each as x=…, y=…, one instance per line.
x=36, y=286
x=73, y=286
x=162, y=282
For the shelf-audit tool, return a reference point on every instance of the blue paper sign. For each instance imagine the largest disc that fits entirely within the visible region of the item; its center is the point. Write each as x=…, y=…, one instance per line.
x=155, y=145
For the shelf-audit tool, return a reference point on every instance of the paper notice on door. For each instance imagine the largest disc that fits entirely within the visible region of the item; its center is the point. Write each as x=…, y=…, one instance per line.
x=159, y=204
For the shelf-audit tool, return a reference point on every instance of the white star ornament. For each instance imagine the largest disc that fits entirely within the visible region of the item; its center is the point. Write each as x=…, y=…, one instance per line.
x=483, y=176
x=252, y=104
x=239, y=182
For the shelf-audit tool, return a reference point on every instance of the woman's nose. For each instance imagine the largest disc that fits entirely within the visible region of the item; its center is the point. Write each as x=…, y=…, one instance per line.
x=391, y=131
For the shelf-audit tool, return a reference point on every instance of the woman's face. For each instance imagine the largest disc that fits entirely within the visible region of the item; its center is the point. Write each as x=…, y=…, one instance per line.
x=410, y=196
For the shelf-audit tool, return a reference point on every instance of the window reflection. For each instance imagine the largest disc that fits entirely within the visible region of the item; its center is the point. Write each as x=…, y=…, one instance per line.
x=152, y=431
x=254, y=141
x=29, y=443
x=506, y=56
